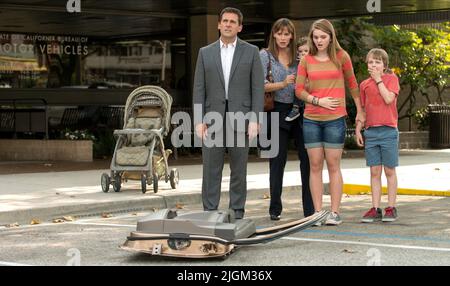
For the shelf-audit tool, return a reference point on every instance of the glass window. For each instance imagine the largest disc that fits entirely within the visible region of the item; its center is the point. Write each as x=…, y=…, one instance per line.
x=42, y=61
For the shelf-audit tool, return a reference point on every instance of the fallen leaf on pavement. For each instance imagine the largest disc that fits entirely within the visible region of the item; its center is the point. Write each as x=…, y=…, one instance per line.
x=35, y=221
x=58, y=193
x=57, y=220
x=179, y=206
x=68, y=218
x=266, y=196
x=16, y=224
x=106, y=215
x=134, y=214
x=348, y=251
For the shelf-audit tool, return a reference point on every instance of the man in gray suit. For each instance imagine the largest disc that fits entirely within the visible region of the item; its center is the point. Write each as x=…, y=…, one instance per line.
x=229, y=79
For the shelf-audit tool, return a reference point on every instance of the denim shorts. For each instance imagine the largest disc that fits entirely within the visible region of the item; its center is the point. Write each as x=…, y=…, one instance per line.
x=326, y=134
x=381, y=146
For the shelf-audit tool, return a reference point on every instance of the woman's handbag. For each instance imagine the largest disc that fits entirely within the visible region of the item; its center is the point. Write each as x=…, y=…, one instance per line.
x=269, y=96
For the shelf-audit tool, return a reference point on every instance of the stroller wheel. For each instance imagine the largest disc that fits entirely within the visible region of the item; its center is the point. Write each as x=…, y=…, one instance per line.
x=144, y=183
x=174, y=178
x=105, y=181
x=117, y=184
x=155, y=183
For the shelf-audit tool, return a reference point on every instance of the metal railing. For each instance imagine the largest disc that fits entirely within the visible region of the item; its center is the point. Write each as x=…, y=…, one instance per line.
x=24, y=115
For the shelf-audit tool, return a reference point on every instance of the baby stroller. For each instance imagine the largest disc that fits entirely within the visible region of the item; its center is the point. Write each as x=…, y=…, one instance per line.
x=139, y=153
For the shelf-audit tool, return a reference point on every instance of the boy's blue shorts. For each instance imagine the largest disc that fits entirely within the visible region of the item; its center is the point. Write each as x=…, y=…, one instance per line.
x=381, y=146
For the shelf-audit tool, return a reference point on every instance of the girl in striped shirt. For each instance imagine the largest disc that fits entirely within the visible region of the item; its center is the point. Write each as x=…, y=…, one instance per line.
x=328, y=69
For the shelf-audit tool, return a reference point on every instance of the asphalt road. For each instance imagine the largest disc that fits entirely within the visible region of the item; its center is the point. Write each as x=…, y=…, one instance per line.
x=420, y=237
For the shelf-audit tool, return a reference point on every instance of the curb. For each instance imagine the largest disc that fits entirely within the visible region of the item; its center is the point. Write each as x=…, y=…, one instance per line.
x=352, y=189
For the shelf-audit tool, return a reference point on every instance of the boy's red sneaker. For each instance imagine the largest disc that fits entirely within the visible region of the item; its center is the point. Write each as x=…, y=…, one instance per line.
x=390, y=214
x=374, y=214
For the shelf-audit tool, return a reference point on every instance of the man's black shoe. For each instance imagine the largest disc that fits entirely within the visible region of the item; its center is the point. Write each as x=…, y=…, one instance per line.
x=239, y=214
x=274, y=217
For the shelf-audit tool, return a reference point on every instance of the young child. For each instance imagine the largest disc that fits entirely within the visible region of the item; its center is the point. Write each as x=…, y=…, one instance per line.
x=302, y=50
x=379, y=98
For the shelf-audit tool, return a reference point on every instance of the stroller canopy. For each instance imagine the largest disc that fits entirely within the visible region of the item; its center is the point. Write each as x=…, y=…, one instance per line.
x=150, y=95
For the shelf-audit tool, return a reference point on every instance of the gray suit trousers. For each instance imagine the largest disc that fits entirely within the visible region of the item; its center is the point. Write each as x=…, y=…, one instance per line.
x=213, y=162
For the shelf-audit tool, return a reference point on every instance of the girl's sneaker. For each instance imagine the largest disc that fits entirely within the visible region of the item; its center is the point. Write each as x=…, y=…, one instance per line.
x=333, y=219
x=374, y=214
x=390, y=214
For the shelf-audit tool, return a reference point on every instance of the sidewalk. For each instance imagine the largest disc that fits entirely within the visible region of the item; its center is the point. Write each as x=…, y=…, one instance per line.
x=49, y=195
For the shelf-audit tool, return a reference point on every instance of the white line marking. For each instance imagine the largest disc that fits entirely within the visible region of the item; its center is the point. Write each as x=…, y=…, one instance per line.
x=4, y=263
x=371, y=244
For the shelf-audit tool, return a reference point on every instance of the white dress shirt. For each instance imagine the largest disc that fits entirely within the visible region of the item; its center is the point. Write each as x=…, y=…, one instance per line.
x=226, y=54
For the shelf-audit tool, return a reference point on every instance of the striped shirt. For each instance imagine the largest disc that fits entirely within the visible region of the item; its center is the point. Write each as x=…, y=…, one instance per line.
x=326, y=80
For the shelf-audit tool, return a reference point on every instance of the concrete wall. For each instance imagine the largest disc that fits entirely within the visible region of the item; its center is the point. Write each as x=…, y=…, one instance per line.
x=46, y=150
x=414, y=140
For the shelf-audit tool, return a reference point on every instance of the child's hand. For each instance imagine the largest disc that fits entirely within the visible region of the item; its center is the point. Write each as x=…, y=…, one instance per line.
x=358, y=136
x=375, y=74
x=359, y=139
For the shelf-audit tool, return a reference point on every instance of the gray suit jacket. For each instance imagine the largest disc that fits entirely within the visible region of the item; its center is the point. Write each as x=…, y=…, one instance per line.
x=246, y=83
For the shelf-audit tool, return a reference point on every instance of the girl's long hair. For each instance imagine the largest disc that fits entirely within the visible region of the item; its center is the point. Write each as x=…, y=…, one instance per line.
x=325, y=26
x=280, y=24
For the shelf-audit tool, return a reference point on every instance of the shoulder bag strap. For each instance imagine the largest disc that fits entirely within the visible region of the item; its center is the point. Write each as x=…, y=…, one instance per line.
x=269, y=67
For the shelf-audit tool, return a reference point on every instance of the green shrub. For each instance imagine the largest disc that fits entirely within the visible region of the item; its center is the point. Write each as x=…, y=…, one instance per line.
x=422, y=118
